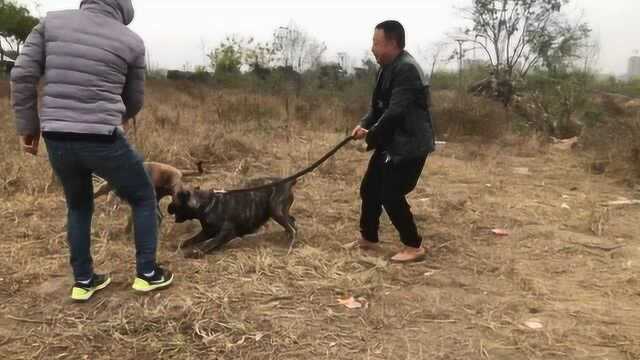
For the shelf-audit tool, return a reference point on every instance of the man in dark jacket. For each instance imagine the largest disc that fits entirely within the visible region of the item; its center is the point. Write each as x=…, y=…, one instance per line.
x=93, y=68
x=398, y=128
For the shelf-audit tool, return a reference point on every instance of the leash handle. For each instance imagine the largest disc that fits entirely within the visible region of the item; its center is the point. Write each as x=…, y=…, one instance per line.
x=300, y=173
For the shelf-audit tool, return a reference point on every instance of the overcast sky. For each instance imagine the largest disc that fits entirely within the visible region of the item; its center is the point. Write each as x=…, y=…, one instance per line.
x=177, y=31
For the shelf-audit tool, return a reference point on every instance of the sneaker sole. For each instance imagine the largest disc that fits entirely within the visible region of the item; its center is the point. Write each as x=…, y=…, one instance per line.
x=142, y=286
x=87, y=296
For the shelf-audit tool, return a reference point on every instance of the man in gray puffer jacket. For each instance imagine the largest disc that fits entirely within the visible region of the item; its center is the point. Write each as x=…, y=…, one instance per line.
x=93, y=68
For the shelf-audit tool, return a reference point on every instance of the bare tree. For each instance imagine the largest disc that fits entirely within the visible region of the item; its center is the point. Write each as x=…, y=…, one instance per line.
x=296, y=48
x=517, y=35
x=434, y=54
x=588, y=53
x=260, y=56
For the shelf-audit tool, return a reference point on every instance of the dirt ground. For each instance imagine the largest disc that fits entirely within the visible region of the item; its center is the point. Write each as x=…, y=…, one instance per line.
x=563, y=284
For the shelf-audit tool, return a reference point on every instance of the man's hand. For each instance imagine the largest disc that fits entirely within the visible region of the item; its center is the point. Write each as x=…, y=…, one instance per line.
x=128, y=124
x=125, y=125
x=359, y=133
x=30, y=143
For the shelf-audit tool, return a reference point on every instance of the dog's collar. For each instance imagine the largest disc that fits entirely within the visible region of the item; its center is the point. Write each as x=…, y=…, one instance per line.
x=212, y=200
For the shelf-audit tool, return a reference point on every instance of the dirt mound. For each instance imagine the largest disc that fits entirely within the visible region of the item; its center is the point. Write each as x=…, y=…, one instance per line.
x=465, y=115
x=632, y=106
x=223, y=149
x=615, y=104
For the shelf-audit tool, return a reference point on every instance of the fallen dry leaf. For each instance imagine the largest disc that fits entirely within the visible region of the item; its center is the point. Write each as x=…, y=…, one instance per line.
x=622, y=202
x=500, y=232
x=565, y=144
x=534, y=324
x=364, y=302
x=350, y=303
x=521, y=171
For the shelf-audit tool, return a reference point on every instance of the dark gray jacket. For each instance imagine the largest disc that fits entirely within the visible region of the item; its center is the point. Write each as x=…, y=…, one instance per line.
x=93, y=68
x=399, y=120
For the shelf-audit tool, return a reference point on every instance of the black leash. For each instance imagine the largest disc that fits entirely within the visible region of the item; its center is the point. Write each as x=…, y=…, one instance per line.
x=300, y=173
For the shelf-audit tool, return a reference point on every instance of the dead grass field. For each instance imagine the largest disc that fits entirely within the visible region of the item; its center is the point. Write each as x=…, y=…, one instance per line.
x=569, y=266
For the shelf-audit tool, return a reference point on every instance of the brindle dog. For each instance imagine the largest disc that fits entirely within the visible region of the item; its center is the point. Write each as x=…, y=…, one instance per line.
x=225, y=216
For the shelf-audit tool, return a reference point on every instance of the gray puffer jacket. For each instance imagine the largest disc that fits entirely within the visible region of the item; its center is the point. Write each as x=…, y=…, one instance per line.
x=93, y=68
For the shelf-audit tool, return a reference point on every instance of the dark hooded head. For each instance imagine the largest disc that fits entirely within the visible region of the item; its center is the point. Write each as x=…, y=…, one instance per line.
x=120, y=10
x=186, y=204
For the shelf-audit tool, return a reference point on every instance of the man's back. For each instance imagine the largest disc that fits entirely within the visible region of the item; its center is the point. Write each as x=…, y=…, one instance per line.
x=94, y=79
x=93, y=68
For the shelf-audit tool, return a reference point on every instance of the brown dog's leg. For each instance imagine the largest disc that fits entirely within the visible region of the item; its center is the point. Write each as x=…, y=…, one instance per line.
x=159, y=214
x=128, y=229
x=104, y=189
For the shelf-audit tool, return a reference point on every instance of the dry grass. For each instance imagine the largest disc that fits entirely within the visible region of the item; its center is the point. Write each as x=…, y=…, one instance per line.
x=470, y=299
x=613, y=141
x=615, y=146
x=461, y=116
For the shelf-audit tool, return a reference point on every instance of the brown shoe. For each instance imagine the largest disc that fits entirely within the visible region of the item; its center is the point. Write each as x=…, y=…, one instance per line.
x=409, y=254
x=362, y=244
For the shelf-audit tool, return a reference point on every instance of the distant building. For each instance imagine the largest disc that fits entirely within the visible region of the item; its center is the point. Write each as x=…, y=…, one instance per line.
x=634, y=67
x=344, y=61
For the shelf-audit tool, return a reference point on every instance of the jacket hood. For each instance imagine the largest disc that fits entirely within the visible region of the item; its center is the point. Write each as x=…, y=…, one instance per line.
x=120, y=10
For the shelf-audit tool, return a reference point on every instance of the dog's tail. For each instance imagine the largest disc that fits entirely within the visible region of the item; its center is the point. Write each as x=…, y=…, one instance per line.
x=300, y=173
x=194, y=173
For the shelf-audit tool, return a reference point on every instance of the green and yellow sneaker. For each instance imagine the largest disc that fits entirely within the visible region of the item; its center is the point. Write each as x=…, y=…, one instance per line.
x=161, y=279
x=82, y=292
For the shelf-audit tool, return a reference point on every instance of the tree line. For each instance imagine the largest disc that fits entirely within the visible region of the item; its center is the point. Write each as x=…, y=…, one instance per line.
x=16, y=23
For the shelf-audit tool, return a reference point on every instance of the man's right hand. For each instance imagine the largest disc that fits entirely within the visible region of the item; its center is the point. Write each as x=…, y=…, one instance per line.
x=359, y=133
x=30, y=143
x=126, y=125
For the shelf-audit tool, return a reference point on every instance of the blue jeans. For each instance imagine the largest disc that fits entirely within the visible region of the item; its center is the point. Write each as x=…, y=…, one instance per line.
x=74, y=162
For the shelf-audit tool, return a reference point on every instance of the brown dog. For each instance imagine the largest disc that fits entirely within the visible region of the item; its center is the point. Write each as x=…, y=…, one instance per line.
x=166, y=180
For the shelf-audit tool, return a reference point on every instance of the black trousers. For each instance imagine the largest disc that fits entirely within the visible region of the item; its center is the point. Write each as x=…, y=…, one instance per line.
x=385, y=185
